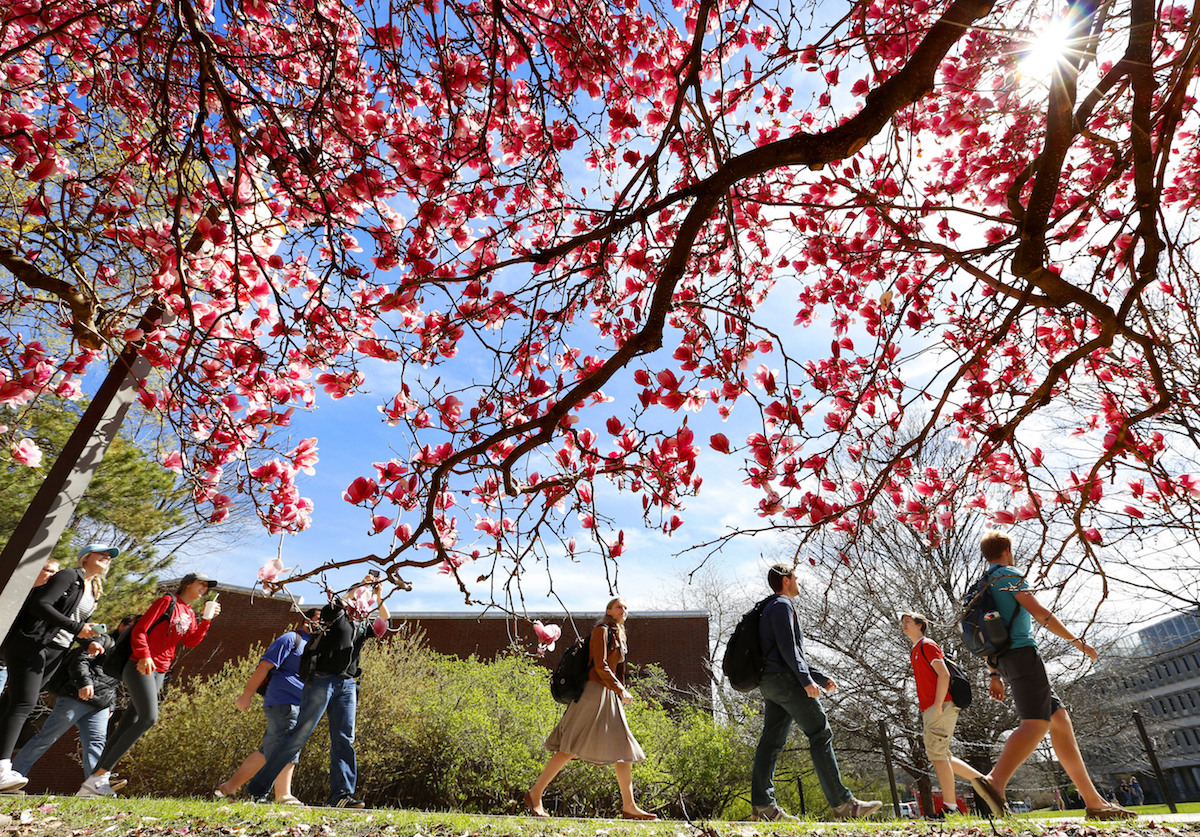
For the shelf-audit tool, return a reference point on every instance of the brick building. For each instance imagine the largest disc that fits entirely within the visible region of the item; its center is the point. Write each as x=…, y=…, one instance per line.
x=676, y=641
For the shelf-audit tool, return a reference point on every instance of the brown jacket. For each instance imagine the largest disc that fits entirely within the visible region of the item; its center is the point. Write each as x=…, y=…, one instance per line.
x=603, y=667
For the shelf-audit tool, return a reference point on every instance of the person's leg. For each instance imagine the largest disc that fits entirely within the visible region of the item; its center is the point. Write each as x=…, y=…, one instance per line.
x=534, y=797
x=1019, y=746
x=776, y=725
x=343, y=763
x=281, y=720
x=313, y=703
x=937, y=730
x=1062, y=738
x=810, y=717
x=66, y=711
x=140, y=715
x=945, y=774
x=93, y=730
x=283, y=782
x=1029, y=687
x=961, y=768
x=625, y=782
x=24, y=686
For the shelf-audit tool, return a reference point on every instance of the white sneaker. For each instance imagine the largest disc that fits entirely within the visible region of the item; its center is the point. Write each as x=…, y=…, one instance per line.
x=96, y=786
x=10, y=780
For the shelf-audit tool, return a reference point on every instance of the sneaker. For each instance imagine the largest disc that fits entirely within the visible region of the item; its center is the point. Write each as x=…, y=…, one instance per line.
x=940, y=816
x=856, y=809
x=771, y=813
x=349, y=802
x=96, y=786
x=10, y=780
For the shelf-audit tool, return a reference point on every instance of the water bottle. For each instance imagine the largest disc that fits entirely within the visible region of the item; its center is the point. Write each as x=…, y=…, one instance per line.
x=994, y=630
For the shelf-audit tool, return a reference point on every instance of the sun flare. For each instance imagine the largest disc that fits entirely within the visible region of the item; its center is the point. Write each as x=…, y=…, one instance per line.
x=1046, y=49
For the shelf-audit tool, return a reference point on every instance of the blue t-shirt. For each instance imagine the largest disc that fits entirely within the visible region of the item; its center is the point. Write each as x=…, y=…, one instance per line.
x=285, y=686
x=1008, y=582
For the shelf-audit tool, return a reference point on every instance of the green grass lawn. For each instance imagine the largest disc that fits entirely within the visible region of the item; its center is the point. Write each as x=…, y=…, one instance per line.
x=49, y=816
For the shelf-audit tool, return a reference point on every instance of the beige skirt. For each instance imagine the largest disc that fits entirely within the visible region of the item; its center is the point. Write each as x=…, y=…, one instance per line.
x=593, y=729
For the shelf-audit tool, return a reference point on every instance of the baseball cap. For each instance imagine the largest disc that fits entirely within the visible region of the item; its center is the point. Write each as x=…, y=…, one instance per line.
x=190, y=577
x=112, y=551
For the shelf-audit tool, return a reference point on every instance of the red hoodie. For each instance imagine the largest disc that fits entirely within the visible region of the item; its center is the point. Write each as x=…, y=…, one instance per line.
x=159, y=644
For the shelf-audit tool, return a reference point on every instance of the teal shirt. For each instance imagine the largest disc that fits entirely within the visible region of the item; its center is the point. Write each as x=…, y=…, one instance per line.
x=1008, y=582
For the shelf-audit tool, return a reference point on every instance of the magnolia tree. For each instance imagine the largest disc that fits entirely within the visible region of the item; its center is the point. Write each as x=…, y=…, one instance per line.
x=526, y=207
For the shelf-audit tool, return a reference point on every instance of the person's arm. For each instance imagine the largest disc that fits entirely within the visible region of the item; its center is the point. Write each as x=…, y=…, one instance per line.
x=943, y=683
x=257, y=678
x=598, y=649
x=42, y=599
x=382, y=610
x=781, y=625
x=1042, y=615
x=139, y=641
x=197, y=632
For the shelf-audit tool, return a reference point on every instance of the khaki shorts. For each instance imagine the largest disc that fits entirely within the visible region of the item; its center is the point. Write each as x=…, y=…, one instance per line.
x=938, y=731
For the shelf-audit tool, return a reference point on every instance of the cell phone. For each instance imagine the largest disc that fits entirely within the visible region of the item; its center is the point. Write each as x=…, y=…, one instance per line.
x=100, y=628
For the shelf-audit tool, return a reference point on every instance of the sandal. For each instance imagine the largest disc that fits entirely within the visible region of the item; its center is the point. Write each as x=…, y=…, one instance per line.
x=289, y=800
x=1110, y=812
x=533, y=811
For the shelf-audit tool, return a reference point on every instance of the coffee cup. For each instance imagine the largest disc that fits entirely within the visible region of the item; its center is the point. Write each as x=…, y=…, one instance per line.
x=210, y=608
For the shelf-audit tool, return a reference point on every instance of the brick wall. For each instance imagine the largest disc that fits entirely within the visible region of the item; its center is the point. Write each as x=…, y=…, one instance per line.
x=677, y=641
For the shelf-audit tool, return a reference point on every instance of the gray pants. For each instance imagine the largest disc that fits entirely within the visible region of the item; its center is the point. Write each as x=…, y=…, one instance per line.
x=140, y=715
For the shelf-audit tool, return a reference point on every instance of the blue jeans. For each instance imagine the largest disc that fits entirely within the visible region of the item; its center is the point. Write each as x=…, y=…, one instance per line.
x=281, y=719
x=339, y=696
x=786, y=701
x=68, y=712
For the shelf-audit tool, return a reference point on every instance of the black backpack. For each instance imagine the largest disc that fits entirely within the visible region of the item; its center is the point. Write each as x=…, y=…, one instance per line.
x=743, y=661
x=985, y=633
x=960, y=686
x=571, y=673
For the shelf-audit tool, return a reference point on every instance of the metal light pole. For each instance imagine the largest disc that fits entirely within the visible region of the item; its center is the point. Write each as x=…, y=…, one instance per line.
x=52, y=507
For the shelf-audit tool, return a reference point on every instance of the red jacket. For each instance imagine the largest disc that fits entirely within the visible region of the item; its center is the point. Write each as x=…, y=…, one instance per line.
x=159, y=644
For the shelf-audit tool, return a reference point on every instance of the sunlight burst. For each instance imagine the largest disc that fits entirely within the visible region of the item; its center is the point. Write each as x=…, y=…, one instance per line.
x=1046, y=49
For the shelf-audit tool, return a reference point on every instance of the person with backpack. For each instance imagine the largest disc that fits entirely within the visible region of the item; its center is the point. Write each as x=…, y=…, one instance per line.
x=790, y=687
x=939, y=713
x=593, y=728
x=277, y=679
x=84, y=697
x=153, y=640
x=52, y=616
x=1038, y=707
x=330, y=670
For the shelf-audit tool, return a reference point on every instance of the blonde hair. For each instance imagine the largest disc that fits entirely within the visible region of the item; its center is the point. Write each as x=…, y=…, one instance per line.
x=97, y=581
x=610, y=622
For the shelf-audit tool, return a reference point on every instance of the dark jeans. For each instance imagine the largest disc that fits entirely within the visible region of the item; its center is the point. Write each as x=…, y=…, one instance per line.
x=786, y=701
x=140, y=715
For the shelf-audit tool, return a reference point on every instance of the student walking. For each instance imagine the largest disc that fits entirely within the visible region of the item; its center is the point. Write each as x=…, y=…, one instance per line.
x=53, y=615
x=939, y=715
x=281, y=706
x=1038, y=707
x=154, y=638
x=790, y=687
x=593, y=729
x=84, y=697
x=333, y=688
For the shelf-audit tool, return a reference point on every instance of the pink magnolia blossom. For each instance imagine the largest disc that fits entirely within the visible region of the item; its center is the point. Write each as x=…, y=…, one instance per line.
x=547, y=636
x=27, y=453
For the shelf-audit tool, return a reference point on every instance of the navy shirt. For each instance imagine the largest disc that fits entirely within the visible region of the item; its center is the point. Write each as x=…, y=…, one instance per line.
x=782, y=643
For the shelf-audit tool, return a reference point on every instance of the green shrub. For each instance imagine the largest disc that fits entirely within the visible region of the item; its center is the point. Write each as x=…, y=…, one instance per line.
x=436, y=732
